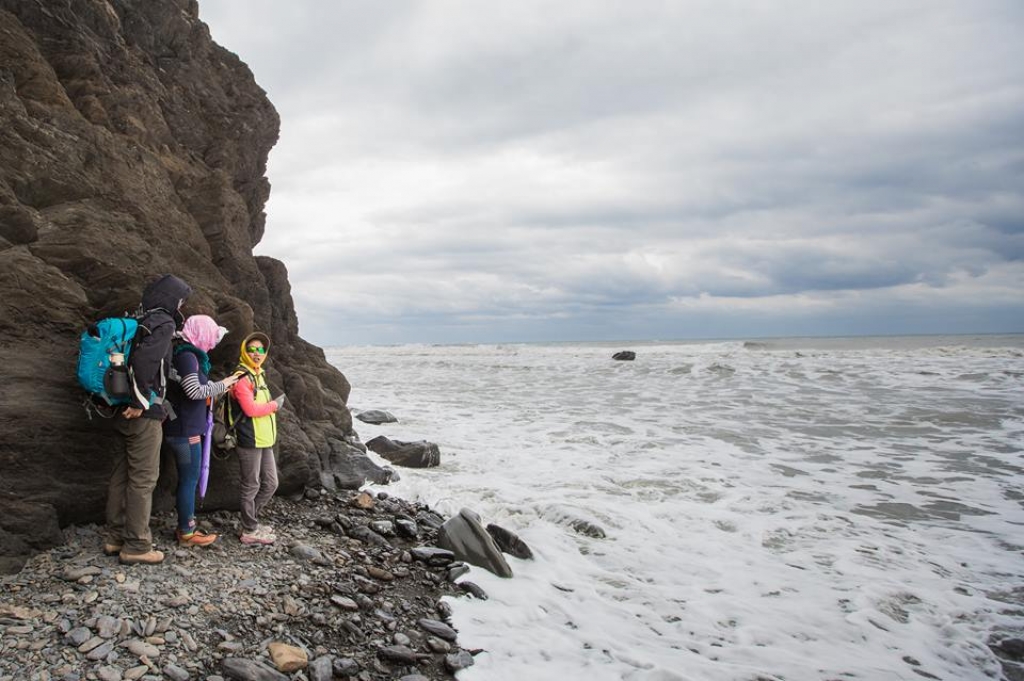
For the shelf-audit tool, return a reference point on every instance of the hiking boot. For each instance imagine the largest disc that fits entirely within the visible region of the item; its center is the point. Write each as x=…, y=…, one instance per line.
x=151, y=557
x=255, y=537
x=267, y=532
x=112, y=549
x=195, y=538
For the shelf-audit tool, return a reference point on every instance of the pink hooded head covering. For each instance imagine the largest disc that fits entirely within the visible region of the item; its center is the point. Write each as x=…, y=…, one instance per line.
x=202, y=332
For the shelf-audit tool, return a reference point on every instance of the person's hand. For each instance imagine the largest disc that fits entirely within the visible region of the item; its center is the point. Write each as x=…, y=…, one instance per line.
x=132, y=413
x=231, y=380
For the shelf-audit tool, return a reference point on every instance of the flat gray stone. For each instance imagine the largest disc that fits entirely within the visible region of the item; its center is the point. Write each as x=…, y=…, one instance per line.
x=438, y=628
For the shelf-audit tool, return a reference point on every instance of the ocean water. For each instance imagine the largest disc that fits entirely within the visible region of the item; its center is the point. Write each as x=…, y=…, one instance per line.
x=798, y=509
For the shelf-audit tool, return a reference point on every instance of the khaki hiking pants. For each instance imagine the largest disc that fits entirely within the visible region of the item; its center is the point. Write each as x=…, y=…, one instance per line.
x=130, y=494
x=257, y=482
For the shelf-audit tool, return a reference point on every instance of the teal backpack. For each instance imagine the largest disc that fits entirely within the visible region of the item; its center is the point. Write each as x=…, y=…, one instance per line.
x=103, y=352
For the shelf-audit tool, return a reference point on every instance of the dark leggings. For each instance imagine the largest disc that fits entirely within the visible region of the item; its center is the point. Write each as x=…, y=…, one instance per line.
x=189, y=458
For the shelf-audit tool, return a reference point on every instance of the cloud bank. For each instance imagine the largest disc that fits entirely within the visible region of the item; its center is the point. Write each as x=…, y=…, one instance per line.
x=485, y=172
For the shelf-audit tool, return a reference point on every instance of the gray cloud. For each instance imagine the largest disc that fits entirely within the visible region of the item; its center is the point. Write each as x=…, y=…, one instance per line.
x=472, y=171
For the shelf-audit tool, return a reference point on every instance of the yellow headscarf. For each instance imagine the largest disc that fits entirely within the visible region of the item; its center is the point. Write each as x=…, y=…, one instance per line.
x=243, y=357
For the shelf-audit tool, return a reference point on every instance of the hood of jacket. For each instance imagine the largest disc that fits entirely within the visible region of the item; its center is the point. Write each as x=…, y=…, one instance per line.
x=243, y=357
x=165, y=293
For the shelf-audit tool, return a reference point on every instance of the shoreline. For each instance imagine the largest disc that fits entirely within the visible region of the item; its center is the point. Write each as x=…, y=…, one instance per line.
x=344, y=585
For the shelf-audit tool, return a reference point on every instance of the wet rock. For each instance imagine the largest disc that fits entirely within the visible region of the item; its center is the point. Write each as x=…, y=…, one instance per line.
x=624, y=355
x=456, y=570
x=587, y=528
x=458, y=661
x=420, y=454
x=348, y=467
x=1012, y=648
x=385, y=528
x=438, y=628
x=509, y=542
x=376, y=417
x=466, y=537
x=406, y=528
x=473, y=590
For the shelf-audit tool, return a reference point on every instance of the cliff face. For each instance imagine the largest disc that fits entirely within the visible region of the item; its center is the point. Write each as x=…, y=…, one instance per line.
x=131, y=145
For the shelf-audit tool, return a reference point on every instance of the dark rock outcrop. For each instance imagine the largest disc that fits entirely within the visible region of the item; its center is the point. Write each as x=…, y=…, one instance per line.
x=131, y=145
x=420, y=454
x=624, y=355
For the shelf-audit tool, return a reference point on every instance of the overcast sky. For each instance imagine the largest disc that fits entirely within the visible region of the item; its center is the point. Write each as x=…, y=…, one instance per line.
x=475, y=171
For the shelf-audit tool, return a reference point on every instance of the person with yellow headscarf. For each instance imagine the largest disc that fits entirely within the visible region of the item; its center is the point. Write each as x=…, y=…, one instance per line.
x=256, y=431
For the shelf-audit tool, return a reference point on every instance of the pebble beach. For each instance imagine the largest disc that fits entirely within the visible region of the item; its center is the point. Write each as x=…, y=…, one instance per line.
x=351, y=589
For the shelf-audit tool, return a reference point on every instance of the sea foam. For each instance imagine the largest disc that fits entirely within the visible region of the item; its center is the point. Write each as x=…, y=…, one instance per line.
x=798, y=510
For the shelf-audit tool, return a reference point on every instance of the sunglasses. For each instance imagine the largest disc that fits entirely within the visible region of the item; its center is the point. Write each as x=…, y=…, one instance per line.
x=259, y=351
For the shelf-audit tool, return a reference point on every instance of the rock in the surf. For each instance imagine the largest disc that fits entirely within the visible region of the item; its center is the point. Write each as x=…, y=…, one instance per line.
x=376, y=417
x=420, y=454
x=509, y=542
x=466, y=537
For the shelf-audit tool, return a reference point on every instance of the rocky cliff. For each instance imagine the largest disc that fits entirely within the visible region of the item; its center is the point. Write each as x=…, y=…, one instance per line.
x=132, y=145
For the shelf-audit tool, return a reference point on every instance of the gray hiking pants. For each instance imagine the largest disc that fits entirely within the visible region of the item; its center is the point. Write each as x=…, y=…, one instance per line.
x=257, y=482
x=130, y=494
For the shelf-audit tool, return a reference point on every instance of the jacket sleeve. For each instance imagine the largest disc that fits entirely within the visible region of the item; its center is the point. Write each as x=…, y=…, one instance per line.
x=146, y=362
x=242, y=392
x=193, y=387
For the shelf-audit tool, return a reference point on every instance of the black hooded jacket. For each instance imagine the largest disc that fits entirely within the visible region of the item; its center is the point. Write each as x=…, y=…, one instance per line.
x=151, y=352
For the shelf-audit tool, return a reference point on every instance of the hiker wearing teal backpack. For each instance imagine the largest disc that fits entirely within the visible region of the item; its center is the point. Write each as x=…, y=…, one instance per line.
x=257, y=433
x=137, y=462
x=190, y=396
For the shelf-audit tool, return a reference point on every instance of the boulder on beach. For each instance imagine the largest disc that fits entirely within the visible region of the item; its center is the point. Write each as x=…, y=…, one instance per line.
x=465, y=536
x=345, y=466
x=625, y=355
x=420, y=454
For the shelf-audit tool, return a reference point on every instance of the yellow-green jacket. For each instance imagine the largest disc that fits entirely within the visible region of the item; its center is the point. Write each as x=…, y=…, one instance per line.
x=257, y=422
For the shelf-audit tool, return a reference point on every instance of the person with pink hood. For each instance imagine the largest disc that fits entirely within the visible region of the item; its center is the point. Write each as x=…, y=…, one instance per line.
x=190, y=395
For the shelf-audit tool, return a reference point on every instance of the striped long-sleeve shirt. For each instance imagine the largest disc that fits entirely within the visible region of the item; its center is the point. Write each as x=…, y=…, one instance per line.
x=188, y=397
